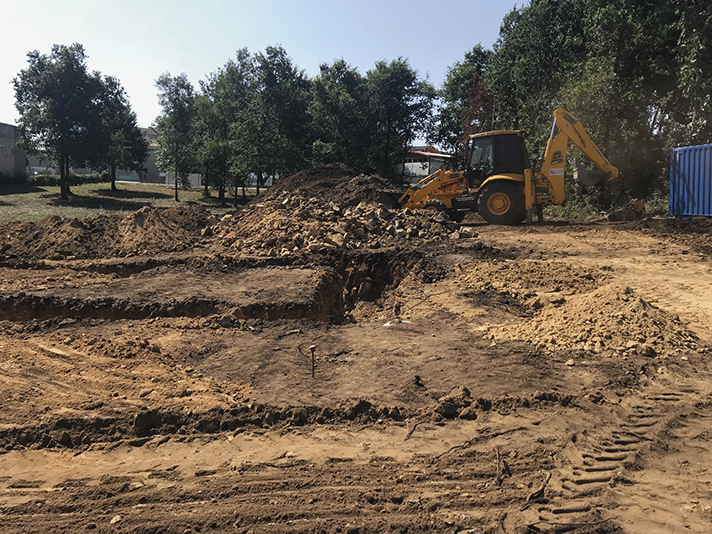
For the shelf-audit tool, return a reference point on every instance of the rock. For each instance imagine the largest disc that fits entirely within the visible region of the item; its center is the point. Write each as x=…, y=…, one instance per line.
x=359, y=233
x=65, y=439
x=115, y=519
x=335, y=239
x=448, y=408
x=570, y=362
x=468, y=231
x=646, y=350
x=455, y=235
x=468, y=413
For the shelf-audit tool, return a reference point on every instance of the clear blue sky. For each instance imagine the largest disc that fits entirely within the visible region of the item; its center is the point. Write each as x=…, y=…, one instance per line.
x=136, y=41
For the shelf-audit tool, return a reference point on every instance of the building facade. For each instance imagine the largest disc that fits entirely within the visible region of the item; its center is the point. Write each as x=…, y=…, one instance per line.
x=12, y=159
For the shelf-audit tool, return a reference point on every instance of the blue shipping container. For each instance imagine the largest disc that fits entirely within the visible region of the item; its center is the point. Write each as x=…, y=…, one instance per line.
x=691, y=181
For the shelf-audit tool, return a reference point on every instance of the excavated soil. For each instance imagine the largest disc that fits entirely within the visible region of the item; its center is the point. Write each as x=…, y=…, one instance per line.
x=317, y=363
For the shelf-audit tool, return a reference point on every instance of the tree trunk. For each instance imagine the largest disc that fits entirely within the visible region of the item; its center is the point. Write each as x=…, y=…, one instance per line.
x=206, y=191
x=66, y=174
x=176, y=183
x=62, y=179
x=113, y=178
x=234, y=200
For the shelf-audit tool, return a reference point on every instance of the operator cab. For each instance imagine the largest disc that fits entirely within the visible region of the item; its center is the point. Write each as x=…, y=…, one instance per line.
x=500, y=152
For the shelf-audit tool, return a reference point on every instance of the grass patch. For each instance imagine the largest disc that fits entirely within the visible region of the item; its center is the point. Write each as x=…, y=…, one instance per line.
x=28, y=202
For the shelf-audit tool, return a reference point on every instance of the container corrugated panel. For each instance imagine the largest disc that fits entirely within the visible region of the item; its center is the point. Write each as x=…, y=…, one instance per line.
x=691, y=181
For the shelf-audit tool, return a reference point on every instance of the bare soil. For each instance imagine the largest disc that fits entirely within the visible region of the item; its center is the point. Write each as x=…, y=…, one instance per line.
x=157, y=374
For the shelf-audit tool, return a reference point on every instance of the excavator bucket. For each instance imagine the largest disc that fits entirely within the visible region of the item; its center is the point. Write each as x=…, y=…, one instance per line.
x=587, y=177
x=389, y=199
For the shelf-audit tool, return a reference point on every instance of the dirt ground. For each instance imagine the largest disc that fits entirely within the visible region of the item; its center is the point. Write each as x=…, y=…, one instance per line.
x=156, y=372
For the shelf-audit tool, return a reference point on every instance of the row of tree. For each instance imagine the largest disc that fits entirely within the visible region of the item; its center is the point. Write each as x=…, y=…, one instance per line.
x=260, y=115
x=637, y=73
x=75, y=117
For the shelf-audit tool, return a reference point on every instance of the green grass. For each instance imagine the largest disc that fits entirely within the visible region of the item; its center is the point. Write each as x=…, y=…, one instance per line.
x=27, y=202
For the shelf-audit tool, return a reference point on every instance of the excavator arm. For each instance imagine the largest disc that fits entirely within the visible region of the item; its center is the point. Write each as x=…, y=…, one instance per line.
x=548, y=186
x=442, y=186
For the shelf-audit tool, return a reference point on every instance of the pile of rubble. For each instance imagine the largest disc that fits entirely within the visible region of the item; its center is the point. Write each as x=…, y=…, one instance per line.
x=289, y=224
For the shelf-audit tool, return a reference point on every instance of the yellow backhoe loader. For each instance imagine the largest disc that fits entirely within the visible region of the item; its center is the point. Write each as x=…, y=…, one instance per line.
x=498, y=182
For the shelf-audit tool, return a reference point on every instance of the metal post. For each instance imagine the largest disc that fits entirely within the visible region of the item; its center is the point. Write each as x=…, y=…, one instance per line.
x=313, y=350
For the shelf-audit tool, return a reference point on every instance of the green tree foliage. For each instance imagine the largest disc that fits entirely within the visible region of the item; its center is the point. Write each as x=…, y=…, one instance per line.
x=340, y=116
x=125, y=147
x=400, y=109
x=60, y=103
x=466, y=105
x=637, y=73
x=282, y=123
x=176, y=140
x=221, y=115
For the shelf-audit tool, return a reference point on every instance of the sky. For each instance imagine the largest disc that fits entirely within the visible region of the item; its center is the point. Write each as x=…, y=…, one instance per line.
x=136, y=41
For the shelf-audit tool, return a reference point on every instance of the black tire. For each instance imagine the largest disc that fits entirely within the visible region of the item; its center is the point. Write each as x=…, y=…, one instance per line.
x=502, y=202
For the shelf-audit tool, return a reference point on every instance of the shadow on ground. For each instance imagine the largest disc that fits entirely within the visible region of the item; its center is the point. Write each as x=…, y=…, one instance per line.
x=102, y=203
x=124, y=193
x=18, y=189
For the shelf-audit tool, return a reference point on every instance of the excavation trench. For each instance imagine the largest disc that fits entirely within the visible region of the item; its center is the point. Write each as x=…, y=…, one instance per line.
x=312, y=291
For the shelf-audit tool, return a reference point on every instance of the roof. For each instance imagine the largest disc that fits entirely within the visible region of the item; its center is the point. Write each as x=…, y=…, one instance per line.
x=520, y=133
x=429, y=154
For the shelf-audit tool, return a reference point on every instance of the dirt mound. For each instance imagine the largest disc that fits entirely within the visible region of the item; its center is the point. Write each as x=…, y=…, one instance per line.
x=329, y=183
x=149, y=230
x=610, y=320
x=146, y=231
x=524, y=279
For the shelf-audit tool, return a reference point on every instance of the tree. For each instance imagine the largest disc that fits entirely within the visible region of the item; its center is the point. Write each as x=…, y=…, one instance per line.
x=221, y=113
x=175, y=140
x=125, y=146
x=279, y=113
x=59, y=103
x=339, y=114
x=400, y=109
x=466, y=105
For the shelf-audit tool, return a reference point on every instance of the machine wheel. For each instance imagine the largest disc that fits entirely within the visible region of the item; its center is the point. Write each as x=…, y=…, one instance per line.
x=502, y=202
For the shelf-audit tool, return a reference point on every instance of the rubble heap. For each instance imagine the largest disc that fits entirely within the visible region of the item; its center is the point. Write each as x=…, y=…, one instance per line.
x=290, y=223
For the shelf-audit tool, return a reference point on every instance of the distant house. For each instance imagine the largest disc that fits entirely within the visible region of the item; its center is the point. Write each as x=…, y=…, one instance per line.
x=151, y=173
x=421, y=161
x=12, y=159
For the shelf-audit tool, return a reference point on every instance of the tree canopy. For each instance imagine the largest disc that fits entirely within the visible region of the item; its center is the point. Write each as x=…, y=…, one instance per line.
x=638, y=75
x=75, y=117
